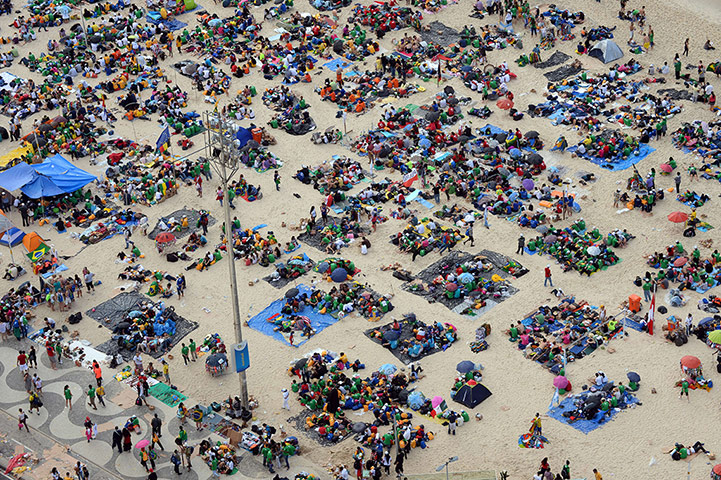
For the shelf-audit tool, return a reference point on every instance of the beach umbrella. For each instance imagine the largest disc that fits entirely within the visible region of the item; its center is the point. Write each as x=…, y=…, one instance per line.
x=58, y=120
x=593, y=250
x=165, y=238
x=451, y=287
x=542, y=229
x=391, y=335
x=291, y=293
x=358, y=427
x=550, y=239
x=432, y=116
x=705, y=321
x=677, y=217
x=715, y=336
x=416, y=400
x=301, y=363
x=633, y=377
x=504, y=103
x=143, y=443
x=437, y=400
x=528, y=184
x=466, y=277
x=465, y=366
x=665, y=167
x=560, y=382
x=680, y=262
x=532, y=134
x=452, y=101
x=716, y=472
x=339, y=275
x=323, y=267
x=388, y=369
x=534, y=159
x=691, y=362
x=515, y=153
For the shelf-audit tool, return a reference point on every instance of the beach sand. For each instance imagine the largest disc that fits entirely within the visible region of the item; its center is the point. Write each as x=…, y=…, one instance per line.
x=623, y=448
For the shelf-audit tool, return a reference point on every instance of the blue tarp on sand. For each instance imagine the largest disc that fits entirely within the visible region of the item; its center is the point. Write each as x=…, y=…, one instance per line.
x=599, y=420
x=318, y=321
x=644, y=150
x=337, y=63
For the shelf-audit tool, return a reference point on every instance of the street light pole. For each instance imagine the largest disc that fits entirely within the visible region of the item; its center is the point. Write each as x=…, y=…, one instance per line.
x=223, y=155
x=445, y=465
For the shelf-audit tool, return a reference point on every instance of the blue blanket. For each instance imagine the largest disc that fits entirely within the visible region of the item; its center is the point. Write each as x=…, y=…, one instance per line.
x=318, y=321
x=644, y=150
x=587, y=426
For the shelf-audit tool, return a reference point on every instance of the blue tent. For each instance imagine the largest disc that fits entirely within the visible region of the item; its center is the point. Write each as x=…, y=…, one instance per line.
x=12, y=237
x=58, y=176
x=41, y=187
x=15, y=177
x=64, y=174
x=244, y=135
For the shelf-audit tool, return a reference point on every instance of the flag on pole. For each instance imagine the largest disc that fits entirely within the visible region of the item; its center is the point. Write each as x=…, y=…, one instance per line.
x=652, y=313
x=410, y=177
x=163, y=142
x=555, y=400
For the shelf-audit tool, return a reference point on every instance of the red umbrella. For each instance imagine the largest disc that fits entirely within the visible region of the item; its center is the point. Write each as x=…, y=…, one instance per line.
x=716, y=471
x=689, y=361
x=665, y=167
x=165, y=238
x=680, y=262
x=678, y=217
x=504, y=103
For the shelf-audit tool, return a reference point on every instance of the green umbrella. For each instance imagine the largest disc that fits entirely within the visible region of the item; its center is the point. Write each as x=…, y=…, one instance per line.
x=715, y=336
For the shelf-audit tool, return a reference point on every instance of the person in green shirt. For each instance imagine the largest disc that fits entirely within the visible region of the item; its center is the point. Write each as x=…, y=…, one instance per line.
x=288, y=451
x=647, y=291
x=91, y=397
x=68, y=397
x=184, y=350
x=193, y=350
x=182, y=434
x=684, y=390
x=677, y=68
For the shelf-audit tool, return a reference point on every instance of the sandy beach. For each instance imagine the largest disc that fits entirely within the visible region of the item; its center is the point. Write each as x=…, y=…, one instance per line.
x=633, y=445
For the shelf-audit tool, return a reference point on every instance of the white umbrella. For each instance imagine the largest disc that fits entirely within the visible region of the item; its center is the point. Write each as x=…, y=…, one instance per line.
x=593, y=250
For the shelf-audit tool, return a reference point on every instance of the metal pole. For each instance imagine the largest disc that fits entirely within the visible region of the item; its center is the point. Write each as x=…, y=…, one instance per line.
x=225, y=156
x=446, y=470
x=395, y=432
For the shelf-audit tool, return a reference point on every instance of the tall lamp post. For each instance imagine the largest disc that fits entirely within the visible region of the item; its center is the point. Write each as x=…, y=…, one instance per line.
x=445, y=465
x=224, y=155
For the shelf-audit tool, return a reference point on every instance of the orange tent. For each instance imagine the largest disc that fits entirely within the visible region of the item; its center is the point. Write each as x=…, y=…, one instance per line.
x=32, y=241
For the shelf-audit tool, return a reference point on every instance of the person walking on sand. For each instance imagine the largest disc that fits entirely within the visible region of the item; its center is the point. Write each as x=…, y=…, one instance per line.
x=166, y=371
x=100, y=393
x=184, y=350
x=276, y=180
x=521, y=244
x=193, y=350
x=684, y=391
x=286, y=405
x=547, y=274
x=685, y=48
x=596, y=474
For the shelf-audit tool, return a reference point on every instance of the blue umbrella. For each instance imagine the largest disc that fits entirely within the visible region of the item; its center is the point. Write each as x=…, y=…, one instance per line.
x=387, y=369
x=416, y=400
x=466, y=277
x=633, y=377
x=705, y=321
x=465, y=366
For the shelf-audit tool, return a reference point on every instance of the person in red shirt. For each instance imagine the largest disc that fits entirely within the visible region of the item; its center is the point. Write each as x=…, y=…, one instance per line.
x=547, y=273
x=22, y=362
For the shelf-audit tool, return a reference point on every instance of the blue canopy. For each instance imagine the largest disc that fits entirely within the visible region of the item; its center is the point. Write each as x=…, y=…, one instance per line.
x=15, y=177
x=64, y=174
x=59, y=177
x=41, y=187
x=12, y=237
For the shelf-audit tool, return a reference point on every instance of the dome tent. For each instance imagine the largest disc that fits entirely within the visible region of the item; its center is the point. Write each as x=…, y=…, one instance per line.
x=606, y=50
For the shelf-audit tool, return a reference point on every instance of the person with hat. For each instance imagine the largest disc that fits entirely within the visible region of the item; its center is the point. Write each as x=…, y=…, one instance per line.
x=547, y=274
x=286, y=405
